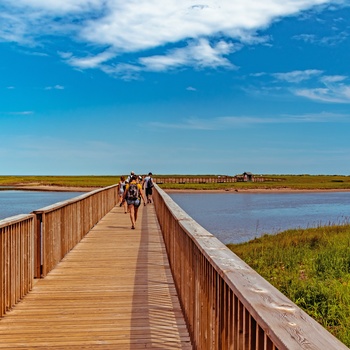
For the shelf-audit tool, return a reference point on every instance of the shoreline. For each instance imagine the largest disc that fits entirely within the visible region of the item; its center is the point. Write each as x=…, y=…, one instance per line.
x=258, y=190
x=54, y=188
x=48, y=188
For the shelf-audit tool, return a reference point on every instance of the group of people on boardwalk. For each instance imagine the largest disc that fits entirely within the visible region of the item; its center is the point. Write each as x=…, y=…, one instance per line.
x=130, y=192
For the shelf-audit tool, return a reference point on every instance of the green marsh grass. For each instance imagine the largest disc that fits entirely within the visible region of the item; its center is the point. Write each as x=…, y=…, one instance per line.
x=70, y=181
x=293, y=182
x=281, y=182
x=311, y=267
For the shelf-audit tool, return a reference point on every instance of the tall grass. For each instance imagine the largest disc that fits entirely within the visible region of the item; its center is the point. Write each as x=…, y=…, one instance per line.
x=311, y=267
x=70, y=181
x=301, y=182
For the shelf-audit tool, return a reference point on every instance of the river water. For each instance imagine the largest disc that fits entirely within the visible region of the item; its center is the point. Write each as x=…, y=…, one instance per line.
x=13, y=202
x=236, y=218
x=231, y=217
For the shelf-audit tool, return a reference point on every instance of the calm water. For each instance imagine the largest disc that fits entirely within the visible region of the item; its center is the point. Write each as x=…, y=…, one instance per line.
x=236, y=218
x=231, y=217
x=24, y=202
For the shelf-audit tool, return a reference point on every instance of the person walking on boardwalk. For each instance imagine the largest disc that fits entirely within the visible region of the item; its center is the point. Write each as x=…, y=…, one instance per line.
x=121, y=190
x=148, y=185
x=132, y=173
x=132, y=195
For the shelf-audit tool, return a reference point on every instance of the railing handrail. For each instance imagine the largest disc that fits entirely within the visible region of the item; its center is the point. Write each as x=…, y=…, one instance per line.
x=61, y=204
x=237, y=308
x=14, y=219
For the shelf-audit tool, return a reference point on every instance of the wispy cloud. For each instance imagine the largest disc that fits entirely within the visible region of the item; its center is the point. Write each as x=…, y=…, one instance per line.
x=233, y=122
x=24, y=113
x=91, y=61
x=297, y=76
x=334, y=94
x=56, y=87
x=106, y=30
x=312, y=84
x=191, y=88
x=330, y=40
x=333, y=89
x=199, y=54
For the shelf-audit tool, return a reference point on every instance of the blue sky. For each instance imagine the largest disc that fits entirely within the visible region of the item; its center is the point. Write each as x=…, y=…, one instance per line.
x=102, y=87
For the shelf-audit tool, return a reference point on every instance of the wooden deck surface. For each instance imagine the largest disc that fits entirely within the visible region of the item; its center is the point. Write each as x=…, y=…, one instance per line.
x=114, y=290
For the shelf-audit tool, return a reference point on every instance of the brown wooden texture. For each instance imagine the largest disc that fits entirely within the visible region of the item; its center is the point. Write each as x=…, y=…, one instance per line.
x=114, y=290
x=16, y=259
x=62, y=225
x=226, y=304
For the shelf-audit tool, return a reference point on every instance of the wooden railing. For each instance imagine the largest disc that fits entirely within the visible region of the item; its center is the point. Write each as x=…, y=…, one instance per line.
x=16, y=259
x=64, y=224
x=226, y=304
x=31, y=245
x=207, y=179
x=194, y=180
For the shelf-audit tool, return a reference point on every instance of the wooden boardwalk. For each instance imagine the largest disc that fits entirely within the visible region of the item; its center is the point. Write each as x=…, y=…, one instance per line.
x=114, y=290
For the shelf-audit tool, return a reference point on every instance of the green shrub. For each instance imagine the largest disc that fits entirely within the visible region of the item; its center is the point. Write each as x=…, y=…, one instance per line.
x=311, y=267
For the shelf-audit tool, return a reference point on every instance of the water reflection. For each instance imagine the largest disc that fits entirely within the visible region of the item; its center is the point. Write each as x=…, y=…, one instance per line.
x=24, y=202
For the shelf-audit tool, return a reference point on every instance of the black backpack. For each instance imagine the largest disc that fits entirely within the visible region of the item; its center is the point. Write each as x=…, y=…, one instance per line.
x=133, y=192
x=150, y=183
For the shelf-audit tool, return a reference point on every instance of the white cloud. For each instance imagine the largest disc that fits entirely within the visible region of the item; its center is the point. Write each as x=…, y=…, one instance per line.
x=232, y=122
x=110, y=28
x=54, y=6
x=91, y=61
x=323, y=41
x=191, y=88
x=333, y=78
x=333, y=90
x=298, y=75
x=334, y=94
x=20, y=113
x=56, y=87
x=199, y=54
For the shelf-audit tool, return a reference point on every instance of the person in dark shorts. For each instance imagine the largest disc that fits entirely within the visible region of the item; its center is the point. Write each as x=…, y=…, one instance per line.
x=148, y=186
x=133, y=194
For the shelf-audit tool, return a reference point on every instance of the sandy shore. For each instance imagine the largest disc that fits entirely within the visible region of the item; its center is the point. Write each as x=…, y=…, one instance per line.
x=27, y=187
x=35, y=187
x=255, y=190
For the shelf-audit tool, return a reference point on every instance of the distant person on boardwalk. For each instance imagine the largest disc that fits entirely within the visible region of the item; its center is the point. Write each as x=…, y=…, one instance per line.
x=132, y=173
x=148, y=186
x=121, y=190
x=133, y=194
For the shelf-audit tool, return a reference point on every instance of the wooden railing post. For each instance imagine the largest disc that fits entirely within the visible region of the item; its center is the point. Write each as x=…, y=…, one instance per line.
x=226, y=304
x=37, y=246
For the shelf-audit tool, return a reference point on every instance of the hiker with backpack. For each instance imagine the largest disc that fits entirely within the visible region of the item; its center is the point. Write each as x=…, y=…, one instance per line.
x=132, y=195
x=148, y=185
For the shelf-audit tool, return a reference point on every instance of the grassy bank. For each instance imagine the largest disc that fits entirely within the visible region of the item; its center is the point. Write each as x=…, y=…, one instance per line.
x=293, y=182
x=64, y=181
x=281, y=182
x=311, y=267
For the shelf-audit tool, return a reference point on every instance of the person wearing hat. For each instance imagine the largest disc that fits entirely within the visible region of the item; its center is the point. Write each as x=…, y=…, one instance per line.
x=132, y=173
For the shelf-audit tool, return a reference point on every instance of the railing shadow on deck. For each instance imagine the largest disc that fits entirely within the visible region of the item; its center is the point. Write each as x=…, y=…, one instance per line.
x=227, y=305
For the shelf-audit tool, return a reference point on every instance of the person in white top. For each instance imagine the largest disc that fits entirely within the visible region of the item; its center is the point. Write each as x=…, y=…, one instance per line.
x=147, y=185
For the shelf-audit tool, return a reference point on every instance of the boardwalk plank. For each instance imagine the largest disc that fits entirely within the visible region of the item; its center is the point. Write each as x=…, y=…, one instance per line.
x=114, y=290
